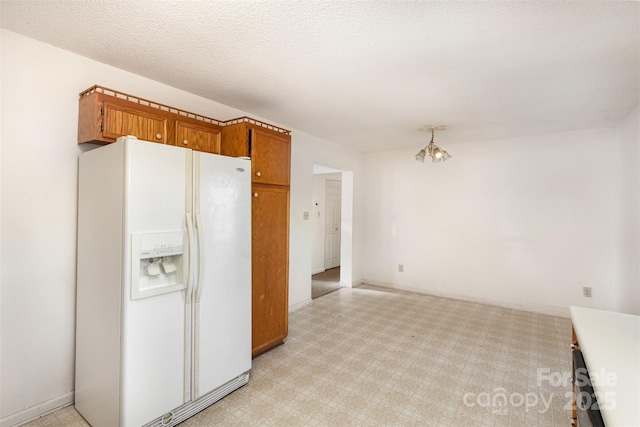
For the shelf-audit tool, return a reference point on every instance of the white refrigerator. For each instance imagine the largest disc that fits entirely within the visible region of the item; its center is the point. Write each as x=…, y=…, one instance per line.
x=163, y=326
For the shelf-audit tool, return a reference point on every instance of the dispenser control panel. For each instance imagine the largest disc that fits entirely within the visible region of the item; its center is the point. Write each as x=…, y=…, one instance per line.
x=154, y=245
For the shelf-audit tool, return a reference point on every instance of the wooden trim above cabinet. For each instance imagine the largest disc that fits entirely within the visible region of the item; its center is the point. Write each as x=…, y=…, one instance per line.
x=257, y=124
x=145, y=103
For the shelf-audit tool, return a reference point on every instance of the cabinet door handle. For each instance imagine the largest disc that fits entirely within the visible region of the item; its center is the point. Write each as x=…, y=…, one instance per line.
x=255, y=194
x=258, y=174
x=185, y=142
x=158, y=136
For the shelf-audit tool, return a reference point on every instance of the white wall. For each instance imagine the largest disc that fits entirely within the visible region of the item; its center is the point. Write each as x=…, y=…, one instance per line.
x=318, y=219
x=40, y=87
x=524, y=222
x=1, y=237
x=628, y=233
x=304, y=154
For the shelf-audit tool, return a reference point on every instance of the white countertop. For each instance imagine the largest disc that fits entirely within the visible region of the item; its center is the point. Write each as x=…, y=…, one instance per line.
x=610, y=344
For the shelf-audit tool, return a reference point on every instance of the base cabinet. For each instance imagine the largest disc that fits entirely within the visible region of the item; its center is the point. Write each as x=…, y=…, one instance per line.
x=270, y=266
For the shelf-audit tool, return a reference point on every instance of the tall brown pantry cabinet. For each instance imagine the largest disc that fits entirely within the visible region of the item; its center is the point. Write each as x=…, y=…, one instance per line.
x=270, y=151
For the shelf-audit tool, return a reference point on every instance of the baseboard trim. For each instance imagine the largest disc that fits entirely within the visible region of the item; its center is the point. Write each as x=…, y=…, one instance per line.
x=533, y=308
x=322, y=270
x=297, y=306
x=38, y=410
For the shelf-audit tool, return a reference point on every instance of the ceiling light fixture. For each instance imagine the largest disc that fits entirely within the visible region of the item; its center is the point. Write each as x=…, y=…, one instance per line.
x=436, y=153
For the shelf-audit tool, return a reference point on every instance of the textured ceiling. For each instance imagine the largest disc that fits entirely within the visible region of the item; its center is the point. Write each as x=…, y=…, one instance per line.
x=369, y=75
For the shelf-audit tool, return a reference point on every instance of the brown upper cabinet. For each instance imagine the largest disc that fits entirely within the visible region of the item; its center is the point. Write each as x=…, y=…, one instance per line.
x=105, y=114
x=268, y=147
x=197, y=137
x=117, y=120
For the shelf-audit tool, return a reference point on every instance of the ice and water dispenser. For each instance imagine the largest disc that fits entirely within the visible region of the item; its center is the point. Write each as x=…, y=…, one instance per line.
x=158, y=263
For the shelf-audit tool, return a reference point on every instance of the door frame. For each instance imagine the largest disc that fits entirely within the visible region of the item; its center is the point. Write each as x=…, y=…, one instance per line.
x=346, y=224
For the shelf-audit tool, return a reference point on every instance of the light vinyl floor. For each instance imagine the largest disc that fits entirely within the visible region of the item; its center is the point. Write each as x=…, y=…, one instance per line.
x=325, y=282
x=367, y=356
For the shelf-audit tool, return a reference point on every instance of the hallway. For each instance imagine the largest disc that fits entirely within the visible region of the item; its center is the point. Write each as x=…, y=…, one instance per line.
x=325, y=282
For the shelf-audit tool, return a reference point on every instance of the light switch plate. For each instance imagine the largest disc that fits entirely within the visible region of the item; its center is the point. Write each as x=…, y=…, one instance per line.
x=305, y=216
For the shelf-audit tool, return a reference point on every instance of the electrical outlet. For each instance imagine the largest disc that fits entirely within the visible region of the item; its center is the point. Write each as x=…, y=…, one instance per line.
x=401, y=268
x=586, y=291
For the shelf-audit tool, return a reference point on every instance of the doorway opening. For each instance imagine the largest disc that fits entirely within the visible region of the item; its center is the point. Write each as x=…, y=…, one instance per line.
x=325, y=282
x=330, y=218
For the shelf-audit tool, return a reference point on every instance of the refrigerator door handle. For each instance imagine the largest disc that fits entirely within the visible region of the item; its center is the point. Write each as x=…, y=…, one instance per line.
x=187, y=265
x=198, y=288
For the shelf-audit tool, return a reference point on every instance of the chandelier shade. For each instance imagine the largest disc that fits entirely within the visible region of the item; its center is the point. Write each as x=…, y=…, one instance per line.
x=436, y=153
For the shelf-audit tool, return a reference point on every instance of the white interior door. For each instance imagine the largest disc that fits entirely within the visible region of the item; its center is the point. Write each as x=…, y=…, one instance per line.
x=332, y=229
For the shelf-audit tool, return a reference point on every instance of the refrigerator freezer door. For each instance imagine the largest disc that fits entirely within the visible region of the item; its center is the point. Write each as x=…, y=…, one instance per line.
x=154, y=330
x=222, y=190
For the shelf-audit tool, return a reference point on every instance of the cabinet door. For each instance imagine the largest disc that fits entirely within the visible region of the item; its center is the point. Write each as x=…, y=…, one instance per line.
x=270, y=267
x=270, y=157
x=198, y=138
x=119, y=121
